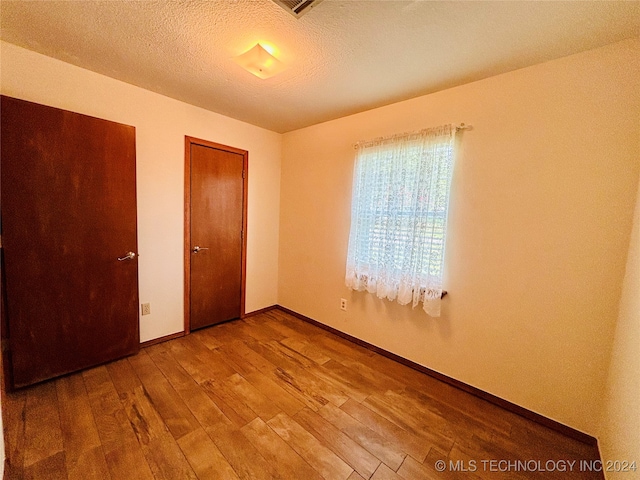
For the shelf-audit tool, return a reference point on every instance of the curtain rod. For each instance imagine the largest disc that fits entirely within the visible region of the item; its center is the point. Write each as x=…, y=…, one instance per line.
x=462, y=126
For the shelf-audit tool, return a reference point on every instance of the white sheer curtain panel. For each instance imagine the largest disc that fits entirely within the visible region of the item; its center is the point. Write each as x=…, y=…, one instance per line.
x=399, y=216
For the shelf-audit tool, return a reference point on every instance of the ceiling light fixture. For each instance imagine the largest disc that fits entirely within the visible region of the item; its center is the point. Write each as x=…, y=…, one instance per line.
x=260, y=62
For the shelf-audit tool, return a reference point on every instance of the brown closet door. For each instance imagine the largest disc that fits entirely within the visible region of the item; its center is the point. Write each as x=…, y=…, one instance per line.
x=216, y=239
x=68, y=203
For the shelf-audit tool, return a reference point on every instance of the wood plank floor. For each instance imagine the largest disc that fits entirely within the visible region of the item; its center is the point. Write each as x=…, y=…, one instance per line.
x=271, y=397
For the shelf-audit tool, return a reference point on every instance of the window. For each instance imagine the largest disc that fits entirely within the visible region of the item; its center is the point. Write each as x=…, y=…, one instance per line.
x=399, y=216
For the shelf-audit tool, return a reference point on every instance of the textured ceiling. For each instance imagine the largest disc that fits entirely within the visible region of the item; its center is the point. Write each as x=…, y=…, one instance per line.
x=343, y=57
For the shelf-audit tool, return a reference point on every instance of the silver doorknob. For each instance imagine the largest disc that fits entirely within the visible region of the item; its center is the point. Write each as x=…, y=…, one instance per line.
x=196, y=249
x=128, y=256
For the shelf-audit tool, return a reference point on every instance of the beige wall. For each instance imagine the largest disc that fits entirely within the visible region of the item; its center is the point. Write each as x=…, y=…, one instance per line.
x=620, y=433
x=541, y=213
x=161, y=124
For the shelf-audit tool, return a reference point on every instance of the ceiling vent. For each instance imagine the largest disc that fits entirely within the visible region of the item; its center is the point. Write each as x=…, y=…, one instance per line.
x=297, y=8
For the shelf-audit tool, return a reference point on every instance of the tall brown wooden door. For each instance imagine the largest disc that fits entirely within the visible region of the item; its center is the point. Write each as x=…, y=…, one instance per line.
x=68, y=204
x=215, y=233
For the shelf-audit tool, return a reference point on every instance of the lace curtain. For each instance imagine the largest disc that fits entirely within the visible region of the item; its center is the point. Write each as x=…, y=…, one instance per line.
x=399, y=217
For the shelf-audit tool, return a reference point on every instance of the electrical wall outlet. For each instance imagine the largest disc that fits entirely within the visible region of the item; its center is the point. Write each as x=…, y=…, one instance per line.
x=343, y=304
x=146, y=309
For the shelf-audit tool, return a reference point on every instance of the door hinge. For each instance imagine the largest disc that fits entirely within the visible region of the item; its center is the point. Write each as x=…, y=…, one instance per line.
x=5, y=345
x=242, y=234
x=244, y=174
